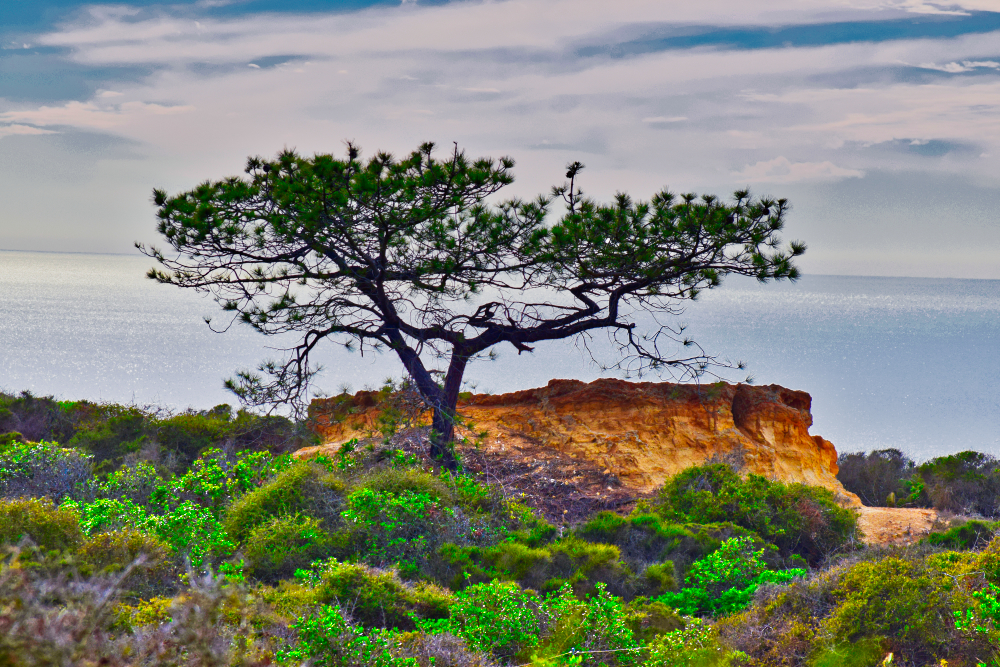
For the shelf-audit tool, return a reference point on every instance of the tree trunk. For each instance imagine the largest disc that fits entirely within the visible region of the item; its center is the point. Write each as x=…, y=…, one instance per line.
x=442, y=401
x=445, y=414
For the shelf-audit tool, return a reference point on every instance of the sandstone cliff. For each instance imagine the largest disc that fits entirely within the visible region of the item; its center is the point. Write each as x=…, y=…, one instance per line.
x=639, y=433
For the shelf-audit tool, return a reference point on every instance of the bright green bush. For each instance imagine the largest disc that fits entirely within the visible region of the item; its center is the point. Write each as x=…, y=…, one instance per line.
x=373, y=597
x=190, y=530
x=725, y=580
x=284, y=544
x=402, y=529
x=39, y=520
x=799, y=519
x=327, y=639
x=495, y=617
x=137, y=483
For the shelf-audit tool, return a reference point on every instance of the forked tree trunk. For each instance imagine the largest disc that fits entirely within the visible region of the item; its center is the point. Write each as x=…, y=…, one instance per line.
x=443, y=401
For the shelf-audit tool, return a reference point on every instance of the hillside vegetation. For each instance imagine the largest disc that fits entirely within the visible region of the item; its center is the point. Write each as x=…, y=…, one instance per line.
x=131, y=536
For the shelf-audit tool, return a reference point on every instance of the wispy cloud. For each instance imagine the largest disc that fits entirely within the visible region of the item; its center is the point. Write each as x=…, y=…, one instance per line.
x=23, y=130
x=783, y=170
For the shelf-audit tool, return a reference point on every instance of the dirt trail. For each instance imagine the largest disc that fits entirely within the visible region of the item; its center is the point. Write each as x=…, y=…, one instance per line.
x=890, y=525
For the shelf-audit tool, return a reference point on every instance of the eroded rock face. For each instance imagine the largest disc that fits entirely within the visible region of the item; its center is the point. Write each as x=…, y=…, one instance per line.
x=642, y=433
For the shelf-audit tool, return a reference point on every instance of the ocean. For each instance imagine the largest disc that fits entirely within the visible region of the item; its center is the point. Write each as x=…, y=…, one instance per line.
x=910, y=363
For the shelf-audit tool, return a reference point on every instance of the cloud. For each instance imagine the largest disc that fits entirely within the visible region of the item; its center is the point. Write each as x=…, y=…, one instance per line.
x=10, y=130
x=783, y=170
x=93, y=116
x=663, y=120
x=479, y=74
x=964, y=66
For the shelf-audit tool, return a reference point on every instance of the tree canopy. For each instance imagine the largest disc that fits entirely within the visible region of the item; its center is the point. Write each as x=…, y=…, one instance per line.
x=412, y=255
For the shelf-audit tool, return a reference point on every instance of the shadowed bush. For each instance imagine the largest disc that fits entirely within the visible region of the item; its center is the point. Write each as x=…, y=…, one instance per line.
x=284, y=544
x=304, y=488
x=880, y=478
x=374, y=597
x=798, y=519
x=42, y=469
x=40, y=521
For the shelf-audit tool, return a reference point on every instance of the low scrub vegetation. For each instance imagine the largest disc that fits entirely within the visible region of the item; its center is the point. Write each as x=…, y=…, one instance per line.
x=150, y=539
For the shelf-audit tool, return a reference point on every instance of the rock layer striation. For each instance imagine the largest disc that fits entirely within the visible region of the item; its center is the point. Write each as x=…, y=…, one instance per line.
x=639, y=433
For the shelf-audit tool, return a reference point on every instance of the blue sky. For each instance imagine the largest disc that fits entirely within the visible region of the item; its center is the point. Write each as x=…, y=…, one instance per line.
x=878, y=119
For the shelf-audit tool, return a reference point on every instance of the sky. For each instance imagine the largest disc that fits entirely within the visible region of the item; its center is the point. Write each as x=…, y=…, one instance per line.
x=878, y=119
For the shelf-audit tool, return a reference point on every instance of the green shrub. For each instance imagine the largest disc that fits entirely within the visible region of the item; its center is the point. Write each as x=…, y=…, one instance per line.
x=189, y=529
x=725, y=580
x=327, y=639
x=696, y=644
x=151, y=559
x=137, y=483
x=570, y=560
x=373, y=597
x=899, y=602
x=799, y=519
x=645, y=538
x=969, y=535
x=597, y=629
x=39, y=520
x=284, y=544
x=303, y=488
x=111, y=432
x=402, y=529
x=662, y=577
x=495, y=617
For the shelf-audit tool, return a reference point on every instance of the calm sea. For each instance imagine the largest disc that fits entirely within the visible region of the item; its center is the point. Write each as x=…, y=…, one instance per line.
x=911, y=363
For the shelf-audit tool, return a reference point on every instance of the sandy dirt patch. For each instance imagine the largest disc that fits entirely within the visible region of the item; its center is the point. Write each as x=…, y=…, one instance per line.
x=892, y=525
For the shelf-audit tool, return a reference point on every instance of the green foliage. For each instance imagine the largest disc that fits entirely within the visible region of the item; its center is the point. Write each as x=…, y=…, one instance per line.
x=190, y=530
x=327, y=639
x=694, y=645
x=284, y=544
x=111, y=432
x=397, y=528
x=41, y=469
x=969, y=535
x=495, y=617
x=645, y=538
x=725, y=580
x=373, y=597
x=596, y=629
x=137, y=483
x=39, y=520
x=798, y=519
x=148, y=559
x=662, y=577
x=568, y=561
x=303, y=487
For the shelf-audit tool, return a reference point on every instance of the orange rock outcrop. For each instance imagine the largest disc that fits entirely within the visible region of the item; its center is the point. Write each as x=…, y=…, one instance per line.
x=641, y=433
